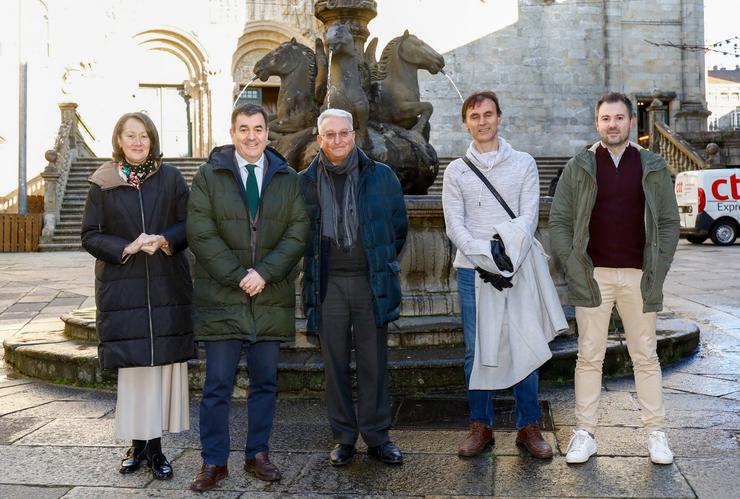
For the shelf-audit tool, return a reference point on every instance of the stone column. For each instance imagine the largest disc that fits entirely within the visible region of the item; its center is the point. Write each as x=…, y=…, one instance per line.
x=221, y=88
x=69, y=115
x=355, y=13
x=51, y=202
x=657, y=113
x=693, y=114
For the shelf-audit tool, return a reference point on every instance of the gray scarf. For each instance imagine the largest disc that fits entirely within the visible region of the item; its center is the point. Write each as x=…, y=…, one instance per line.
x=346, y=235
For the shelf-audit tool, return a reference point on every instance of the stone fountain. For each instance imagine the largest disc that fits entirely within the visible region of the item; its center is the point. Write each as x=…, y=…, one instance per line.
x=392, y=127
x=391, y=123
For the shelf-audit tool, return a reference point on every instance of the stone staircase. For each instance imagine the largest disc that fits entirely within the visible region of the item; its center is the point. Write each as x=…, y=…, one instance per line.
x=67, y=233
x=548, y=168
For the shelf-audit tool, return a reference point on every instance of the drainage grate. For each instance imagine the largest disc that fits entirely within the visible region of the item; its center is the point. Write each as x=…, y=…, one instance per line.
x=452, y=414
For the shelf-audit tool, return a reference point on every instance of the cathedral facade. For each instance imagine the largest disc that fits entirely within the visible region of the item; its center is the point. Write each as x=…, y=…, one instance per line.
x=185, y=64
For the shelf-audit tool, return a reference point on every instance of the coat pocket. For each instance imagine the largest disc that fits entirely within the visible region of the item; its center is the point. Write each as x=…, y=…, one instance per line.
x=393, y=287
x=577, y=277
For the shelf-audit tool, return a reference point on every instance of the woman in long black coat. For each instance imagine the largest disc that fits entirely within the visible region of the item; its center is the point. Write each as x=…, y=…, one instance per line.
x=134, y=224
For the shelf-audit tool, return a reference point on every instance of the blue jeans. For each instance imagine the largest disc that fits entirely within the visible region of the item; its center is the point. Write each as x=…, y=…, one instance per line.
x=480, y=402
x=222, y=359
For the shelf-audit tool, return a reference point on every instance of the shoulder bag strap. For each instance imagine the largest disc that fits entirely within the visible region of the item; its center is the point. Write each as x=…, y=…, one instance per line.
x=488, y=184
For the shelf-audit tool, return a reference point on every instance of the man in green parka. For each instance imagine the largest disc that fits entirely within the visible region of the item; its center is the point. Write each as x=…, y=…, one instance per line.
x=247, y=226
x=614, y=226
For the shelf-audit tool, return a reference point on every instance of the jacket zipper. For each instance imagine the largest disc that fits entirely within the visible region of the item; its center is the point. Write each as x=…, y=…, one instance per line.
x=254, y=228
x=148, y=296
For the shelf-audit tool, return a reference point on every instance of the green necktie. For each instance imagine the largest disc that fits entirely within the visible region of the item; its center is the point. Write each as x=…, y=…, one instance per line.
x=253, y=193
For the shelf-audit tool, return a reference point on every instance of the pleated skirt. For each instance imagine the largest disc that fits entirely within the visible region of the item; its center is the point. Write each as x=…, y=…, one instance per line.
x=152, y=400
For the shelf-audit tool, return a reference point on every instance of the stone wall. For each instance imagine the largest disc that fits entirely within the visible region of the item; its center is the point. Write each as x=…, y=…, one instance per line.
x=550, y=67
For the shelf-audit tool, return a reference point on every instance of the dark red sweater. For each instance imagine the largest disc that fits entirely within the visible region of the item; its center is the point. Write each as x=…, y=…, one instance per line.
x=617, y=226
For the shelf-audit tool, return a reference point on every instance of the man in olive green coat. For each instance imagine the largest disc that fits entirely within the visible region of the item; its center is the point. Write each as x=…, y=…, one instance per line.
x=614, y=226
x=247, y=226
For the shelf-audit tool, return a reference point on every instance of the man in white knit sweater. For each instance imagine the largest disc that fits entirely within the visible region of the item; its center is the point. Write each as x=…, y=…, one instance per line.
x=471, y=211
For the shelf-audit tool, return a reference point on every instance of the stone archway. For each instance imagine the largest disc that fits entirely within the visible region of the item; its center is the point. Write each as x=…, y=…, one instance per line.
x=194, y=57
x=259, y=38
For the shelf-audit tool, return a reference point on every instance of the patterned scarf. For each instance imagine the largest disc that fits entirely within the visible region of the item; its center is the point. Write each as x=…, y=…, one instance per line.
x=135, y=174
x=346, y=235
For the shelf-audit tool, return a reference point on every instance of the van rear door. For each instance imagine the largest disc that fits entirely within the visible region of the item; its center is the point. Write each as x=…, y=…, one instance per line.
x=687, y=198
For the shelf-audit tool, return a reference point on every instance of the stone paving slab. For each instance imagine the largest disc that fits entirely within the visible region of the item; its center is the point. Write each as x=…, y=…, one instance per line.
x=13, y=429
x=599, y=477
x=11, y=389
x=688, y=402
x=702, y=385
x=732, y=396
x=64, y=392
x=89, y=466
x=25, y=308
x=114, y=493
x=27, y=492
x=77, y=433
x=66, y=409
x=447, y=442
x=674, y=419
x=714, y=363
x=712, y=478
x=20, y=401
x=420, y=474
x=188, y=463
x=614, y=441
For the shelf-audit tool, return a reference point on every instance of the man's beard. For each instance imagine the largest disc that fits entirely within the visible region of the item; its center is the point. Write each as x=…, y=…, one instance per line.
x=611, y=140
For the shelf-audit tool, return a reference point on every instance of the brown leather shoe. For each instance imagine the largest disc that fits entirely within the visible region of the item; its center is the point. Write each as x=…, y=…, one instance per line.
x=208, y=477
x=262, y=468
x=531, y=438
x=478, y=440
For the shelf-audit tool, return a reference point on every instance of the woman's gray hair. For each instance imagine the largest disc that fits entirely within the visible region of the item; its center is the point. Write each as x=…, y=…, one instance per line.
x=334, y=113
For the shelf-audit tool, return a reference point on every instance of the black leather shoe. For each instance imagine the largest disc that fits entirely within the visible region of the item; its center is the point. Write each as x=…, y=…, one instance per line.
x=341, y=454
x=161, y=468
x=387, y=452
x=131, y=461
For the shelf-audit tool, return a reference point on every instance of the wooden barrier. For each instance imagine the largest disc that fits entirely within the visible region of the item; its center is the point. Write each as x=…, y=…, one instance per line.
x=20, y=232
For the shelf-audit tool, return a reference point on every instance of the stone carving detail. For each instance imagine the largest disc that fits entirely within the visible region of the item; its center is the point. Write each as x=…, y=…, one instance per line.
x=395, y=94
x=297, y=106
x=391, y=121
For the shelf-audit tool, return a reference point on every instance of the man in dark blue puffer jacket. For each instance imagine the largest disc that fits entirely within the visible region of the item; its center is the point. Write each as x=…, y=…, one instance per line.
x=351, y=282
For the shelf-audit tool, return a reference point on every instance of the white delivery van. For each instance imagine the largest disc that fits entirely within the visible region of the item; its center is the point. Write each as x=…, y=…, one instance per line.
x=709, y=205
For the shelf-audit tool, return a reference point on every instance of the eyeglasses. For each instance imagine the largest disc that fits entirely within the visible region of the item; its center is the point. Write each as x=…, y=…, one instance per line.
x=332, y=136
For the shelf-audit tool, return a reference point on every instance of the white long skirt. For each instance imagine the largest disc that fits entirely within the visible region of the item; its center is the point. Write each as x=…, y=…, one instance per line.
x=152, y=400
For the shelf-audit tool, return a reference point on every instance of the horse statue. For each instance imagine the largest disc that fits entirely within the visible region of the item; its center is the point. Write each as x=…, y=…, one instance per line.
x=344, y=82
x=298, y=104
x=395, y=94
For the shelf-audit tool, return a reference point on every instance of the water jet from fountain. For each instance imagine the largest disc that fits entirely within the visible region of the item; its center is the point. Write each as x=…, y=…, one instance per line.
x=453, y=84
x=243, y=89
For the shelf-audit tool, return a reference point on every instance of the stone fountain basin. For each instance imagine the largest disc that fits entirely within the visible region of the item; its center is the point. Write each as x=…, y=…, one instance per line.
x=426, y=352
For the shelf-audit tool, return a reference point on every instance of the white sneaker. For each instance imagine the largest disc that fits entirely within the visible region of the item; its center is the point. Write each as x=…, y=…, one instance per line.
x=581, y=447
x=660, y=453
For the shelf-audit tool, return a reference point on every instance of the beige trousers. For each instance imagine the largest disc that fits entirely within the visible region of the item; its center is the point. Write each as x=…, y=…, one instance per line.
x=620, y=287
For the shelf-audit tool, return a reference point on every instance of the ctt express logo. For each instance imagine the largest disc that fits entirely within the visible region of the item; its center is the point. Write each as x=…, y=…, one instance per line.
x=723, y=188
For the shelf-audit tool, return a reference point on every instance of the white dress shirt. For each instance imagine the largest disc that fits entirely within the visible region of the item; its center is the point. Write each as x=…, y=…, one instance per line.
x=259, y=171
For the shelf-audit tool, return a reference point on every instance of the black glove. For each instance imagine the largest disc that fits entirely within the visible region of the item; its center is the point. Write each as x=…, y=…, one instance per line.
x=498, y=252
x=496, y=280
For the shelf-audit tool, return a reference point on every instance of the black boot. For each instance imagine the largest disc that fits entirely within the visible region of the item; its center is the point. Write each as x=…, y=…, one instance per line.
x=134, y=455
x=161, y=468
